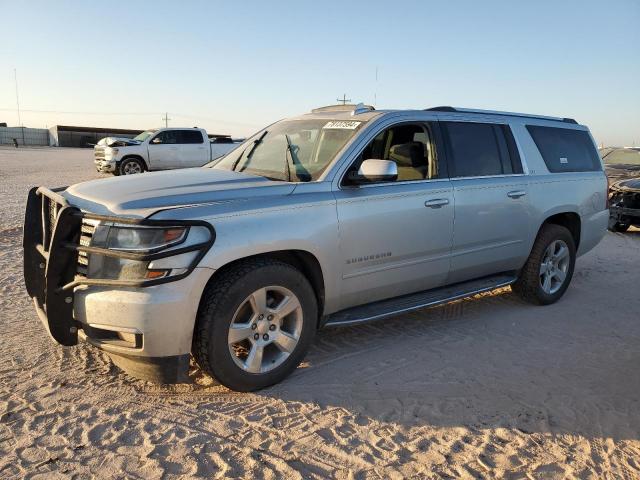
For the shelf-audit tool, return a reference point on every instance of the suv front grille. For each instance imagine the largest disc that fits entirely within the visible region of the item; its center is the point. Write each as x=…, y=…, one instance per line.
x=50, y=211
x=87, y=230
x=98, y=153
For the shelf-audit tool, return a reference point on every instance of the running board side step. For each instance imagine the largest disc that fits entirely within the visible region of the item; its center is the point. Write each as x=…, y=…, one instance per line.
x=414, y=301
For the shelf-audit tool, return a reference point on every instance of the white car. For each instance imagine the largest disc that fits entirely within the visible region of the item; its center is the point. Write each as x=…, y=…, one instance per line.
x=160, y=149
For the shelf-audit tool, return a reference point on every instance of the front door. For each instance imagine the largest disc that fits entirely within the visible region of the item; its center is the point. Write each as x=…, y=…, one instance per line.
x=163, y=150
x=492, y=214
x=395, y=237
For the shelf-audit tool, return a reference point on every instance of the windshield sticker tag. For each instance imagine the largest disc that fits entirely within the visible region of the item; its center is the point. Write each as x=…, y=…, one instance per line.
x=564, y=160
x=342, y=125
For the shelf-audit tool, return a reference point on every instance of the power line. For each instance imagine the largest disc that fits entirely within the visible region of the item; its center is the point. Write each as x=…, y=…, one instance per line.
x=65, y=112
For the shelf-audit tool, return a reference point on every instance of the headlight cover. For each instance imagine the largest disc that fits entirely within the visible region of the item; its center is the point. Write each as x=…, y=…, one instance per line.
x=144, y=239
x=132, y=253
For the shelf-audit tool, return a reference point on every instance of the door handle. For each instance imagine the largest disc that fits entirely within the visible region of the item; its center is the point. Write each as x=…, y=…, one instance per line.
x=436, y=202
x=516, y=194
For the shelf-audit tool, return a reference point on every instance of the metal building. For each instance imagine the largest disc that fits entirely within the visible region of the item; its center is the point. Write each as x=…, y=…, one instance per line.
x=24, y=136
x=85, y=137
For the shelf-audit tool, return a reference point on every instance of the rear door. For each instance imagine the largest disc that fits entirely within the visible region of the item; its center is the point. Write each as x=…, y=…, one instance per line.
x=395, y=237
x=193, y=151
x=492, y=214
x=163, y=150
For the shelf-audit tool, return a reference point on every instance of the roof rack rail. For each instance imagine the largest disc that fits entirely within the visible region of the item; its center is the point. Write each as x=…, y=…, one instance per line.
x=348, y=107
x=496, y=112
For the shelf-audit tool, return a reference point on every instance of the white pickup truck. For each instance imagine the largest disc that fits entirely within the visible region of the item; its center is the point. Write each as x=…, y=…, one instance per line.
x=160, y=149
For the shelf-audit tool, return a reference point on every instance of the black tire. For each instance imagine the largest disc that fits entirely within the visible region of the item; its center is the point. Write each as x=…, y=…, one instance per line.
x=619, y=227
x=220, y=301
x=128, y=164
x=528, y=286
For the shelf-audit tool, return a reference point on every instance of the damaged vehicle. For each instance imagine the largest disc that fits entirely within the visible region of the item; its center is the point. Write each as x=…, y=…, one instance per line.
x=337, y=217
x=160, y=149
x=622, y=166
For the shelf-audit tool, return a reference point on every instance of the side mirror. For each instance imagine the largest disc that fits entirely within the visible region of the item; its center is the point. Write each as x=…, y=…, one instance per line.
x=156, y=141
x=377, y=171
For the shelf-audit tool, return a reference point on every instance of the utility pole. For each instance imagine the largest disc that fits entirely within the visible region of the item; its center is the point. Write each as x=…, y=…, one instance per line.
x=166, y=119
x=15, y=77
x=375, y=94
x=344, y=99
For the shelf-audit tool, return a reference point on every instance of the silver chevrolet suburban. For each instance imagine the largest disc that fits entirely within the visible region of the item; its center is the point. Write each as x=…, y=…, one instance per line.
x=340, y=216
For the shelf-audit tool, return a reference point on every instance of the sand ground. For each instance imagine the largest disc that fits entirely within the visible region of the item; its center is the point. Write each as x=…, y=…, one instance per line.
x=487, y=387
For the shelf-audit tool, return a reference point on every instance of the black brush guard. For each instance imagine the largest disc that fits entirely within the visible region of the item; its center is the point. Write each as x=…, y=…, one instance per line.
x=51, y=242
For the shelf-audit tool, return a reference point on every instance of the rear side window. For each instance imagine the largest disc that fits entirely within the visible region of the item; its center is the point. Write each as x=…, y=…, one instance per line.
x=565, y=150
x=189, y=136
x=481, y=149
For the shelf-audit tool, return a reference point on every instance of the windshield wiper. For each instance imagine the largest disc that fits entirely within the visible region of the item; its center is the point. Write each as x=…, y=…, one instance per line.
x=256, y=142
x=305, y=177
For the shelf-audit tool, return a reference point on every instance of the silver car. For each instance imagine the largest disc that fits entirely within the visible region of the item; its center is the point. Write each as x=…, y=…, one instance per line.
x=340, y=216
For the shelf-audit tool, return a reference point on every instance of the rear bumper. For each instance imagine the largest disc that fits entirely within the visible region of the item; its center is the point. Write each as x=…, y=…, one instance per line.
x=146, y=326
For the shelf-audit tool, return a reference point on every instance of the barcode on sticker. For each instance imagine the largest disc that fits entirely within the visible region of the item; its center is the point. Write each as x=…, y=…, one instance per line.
x=564, y=160
x=343, y=125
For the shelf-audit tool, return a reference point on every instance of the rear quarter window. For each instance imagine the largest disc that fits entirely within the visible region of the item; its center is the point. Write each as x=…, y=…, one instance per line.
x=565, y=150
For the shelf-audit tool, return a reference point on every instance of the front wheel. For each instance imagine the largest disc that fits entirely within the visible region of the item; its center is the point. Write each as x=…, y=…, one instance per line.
x=130, y=166
x=549, y=268
x=255, y=324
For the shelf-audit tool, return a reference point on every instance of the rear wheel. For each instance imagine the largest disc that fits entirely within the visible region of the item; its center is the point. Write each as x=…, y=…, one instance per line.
x=131, y=166
x=255, y=324
x=549, y=268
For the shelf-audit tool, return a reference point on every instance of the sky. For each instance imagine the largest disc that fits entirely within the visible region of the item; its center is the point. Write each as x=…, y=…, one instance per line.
x=234, y=67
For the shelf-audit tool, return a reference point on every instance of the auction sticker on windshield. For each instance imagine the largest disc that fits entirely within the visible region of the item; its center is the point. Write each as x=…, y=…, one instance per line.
x=343, y=125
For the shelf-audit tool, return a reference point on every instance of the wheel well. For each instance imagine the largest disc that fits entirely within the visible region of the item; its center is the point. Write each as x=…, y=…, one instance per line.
x=304, y=261
x=137, y=157
x=569, y=220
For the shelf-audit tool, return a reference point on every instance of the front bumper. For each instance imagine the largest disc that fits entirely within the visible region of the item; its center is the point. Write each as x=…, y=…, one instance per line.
x=624, y=205
x=145, y=321
x=106, y=166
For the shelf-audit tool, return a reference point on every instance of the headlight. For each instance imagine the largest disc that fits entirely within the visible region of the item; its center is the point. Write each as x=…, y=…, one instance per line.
x=144, y=241
x=135, y=239
x=113, y=151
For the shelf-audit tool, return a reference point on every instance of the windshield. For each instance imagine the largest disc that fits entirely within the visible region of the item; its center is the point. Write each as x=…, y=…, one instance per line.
x=291, y=150
x=144, y=135
x=621, y=156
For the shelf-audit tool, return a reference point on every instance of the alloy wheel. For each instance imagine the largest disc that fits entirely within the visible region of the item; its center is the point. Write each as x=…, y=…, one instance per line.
x=131, y=168
x=265, y=329
x=554, y=266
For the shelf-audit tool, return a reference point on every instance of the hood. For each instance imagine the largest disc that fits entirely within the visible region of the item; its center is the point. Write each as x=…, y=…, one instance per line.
x=632, y=184
x=145, y=194
x=117, y=142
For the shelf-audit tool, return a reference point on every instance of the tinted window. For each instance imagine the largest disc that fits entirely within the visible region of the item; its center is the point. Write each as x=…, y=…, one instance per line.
x=474, y=149
x=168, y=136
x=189, y=136
x=565, y=150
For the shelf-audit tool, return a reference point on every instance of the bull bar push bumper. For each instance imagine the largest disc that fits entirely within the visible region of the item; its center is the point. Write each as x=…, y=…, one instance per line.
x=52, y=243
